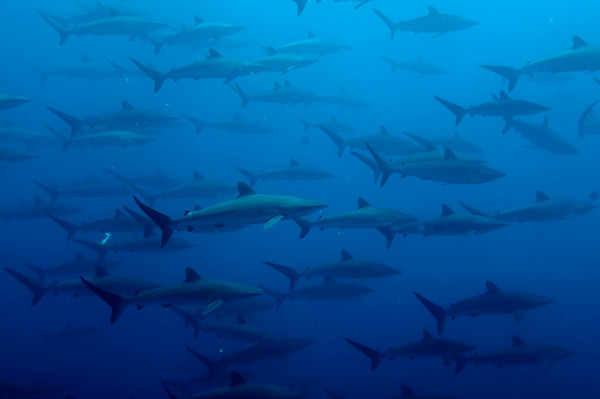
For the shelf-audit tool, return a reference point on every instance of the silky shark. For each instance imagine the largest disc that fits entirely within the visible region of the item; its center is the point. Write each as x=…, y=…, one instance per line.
x=194, y=290
x=493, y=301
x=542, y=136
x=234, y=125
x=11, y=101
x=433, y=22
x=347, y=267
x=293, y=172
x=429, y=346
x=545, y=209
x=383, y=142
x=248, y=208
x=419, y=67
x=581, y=57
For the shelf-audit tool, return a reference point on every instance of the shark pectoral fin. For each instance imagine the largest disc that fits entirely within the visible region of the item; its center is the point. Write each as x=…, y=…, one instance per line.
x=212, y=306
x=518, y=315
x=273, y=221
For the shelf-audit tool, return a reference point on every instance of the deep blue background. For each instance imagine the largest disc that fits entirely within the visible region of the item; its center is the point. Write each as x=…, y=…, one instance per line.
x=558, y=259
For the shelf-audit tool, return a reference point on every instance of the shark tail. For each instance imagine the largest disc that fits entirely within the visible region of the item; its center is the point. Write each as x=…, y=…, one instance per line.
x=393, y=64
x=337, y=140
x=102, y=250
x=508, y=124
x=210, y=364
x=456, y=109
x=170, y=394
x=66, y=142
x=41, y=273
x=390, y=24
x=68, y=226
x=164, y=222
x=36, y=286
x=252, y=178
x=279, y=297
x=188, y=319
x=460, y=361
x=48, y=188
x=371, y=353
x=70, y=120
x=116, y=302
x=156, y=76
x=437, y=311
x=55, y=23
x=290, y=273
x=305, y=226
x=370, y=163
x=157, y=43
x=148, y=196
x=42, y=74
x=300, y=6
x=238, y=90
x=122, y=179
x=147, y=224
x=388, y=234
x=511, y=74
x=198, y=124
x=583, y=118
x=386, y=171
x=471, y=210
x=305, y=124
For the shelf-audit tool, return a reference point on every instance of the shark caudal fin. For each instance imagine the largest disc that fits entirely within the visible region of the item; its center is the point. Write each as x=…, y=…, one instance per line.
x=74, y=123
x=68, y=226
x=370, y=163
x=389, y=235
x=35, y=286
x=386, y=171
x=511, y=74
x=117, y=303
x=50, y=189
x=56, y=25
x=188, y=319
x=393, y=64
x=300, y=4
x=461, y=362
x=390, y=24
x=583, y=118
x=198, y=124
x=142, y=220
x=101, y=250
x=238, y=90
x=337, y=140
x=457, y=110
x=252, y=178
x=290, y=273
x=164, y=222
x=170, y=394
x=148, y=196
x=437, y=311
x=210, y=364
x=370, y=353
x=305, y=226
x=279, y=297
x=156, y=76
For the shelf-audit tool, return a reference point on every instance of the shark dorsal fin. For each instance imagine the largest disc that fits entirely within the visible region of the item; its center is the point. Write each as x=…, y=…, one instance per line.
x=311, y=35
x=197, y=207
x=503, y=95
x=212, y=53
x=346, y=255
x=293, y=162
x=517, y=341
x=541, y=197
x=244, y=190
x=119, y=213
x=427, y=335
x=85, y=58
x=449, y=155
x=276, y=86
x=37, y=200
x=545, y=122
x=186, y=212
x=491, y=288
x=112, y=12
x=241, y=320
x=406, y=391
x=100, y=272
x=198, y=176
x=447, y=211
x=578, y=42
x=383, y=131
x=287, y=83
x=191, y=275
x=126, y=105
x=362, y=203
x=329, y=280
x=343, y=90
x=236, y=379
x=433, y=11
x=198, y=20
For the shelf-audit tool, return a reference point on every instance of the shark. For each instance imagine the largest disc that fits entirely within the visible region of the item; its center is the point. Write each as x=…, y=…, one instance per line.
x=32, y=139
x=433, y=22
x=332, y=125
x=248, y=208
x=588, y=122
x=428, y=346
x=234, y=125
x=11, y=155
x=38, y=209
x=383, y=142
x=581, y=57
x=312, y=45
x=194, y=290
x=107, y=138
x=293, y=172
x=347, y=267
x=493, y=301
x=542, y=136
x=158, y=179
x=78, y=266
x=90, y=187
x=545, y=209
x=11, y=101
x=419, y=67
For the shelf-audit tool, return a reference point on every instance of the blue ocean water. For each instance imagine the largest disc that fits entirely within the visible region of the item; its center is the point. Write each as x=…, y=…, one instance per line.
x=557, y=258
